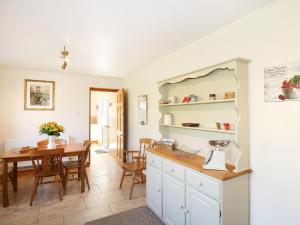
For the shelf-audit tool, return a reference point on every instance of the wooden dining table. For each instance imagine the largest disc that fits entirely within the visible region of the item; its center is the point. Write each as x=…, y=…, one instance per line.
x=13, y=156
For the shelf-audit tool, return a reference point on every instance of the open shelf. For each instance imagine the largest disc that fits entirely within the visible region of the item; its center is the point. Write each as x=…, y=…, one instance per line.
x=201, y=128
x=201, y=102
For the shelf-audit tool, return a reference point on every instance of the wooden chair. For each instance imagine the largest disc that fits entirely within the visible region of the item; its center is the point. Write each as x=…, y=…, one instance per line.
x=138, y=163
x=74, y=166
x=44, y=142
x=10, y=175
x=86, y=144
x=58, y=141
x=47, y=163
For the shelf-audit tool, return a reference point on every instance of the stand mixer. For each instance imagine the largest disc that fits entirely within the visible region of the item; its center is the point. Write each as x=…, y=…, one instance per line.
x=216, y=156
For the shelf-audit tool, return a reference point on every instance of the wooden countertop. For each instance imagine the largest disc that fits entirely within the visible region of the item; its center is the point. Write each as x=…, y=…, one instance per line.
x=195, y=162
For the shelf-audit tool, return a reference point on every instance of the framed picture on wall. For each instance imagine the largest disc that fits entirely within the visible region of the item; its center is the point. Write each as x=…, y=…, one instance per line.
x=142, y=109
x=39, y=95
x=282, y=82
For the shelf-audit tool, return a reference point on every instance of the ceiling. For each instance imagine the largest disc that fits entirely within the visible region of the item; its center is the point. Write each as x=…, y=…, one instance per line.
x=107, y=37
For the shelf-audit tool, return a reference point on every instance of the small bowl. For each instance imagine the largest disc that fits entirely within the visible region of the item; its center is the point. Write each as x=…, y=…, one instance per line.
x=26, y=149
x=291, y=93
x=229, y=95
x=221, y=143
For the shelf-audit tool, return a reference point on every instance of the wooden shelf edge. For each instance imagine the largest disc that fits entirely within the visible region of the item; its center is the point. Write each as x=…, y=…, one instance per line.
x=201, y=129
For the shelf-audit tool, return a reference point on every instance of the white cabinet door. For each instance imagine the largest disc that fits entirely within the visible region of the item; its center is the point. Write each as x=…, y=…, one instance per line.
x=173, y=201
x=154, y=190
x=201, y=210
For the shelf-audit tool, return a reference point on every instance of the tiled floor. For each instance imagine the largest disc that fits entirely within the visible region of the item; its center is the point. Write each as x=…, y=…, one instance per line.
x=104, y=198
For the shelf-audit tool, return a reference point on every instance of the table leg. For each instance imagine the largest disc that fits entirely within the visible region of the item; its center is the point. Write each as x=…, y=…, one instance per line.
x=82, y=174
x=15, y=176
x=62, y=177
x=4, y=185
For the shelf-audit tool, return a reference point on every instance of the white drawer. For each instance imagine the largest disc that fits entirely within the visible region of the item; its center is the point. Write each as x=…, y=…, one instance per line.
x=203, y=184
x=154, y=160
x=173, y=169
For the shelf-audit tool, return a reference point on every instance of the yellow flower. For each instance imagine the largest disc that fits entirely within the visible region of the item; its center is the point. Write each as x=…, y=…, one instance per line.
x=51, y=128
x=60, y=128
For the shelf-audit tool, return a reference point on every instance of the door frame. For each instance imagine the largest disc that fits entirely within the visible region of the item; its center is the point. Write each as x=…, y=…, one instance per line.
x=90, y=96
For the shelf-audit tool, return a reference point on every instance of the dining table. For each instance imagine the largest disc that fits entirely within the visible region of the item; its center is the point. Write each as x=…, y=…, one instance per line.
x=15, y=155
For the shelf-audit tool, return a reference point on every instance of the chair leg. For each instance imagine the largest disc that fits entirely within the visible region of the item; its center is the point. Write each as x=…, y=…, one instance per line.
x=41, y=180
x=87, y=180
x=58, y=187
x=66, y=180
x=11, y=177
x=142, y=177
x=132, y=185
x=62, y=177
x=122, y=179
x=34, y=189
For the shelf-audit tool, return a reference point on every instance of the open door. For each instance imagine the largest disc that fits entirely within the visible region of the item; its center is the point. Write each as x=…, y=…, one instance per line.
x=121, y=139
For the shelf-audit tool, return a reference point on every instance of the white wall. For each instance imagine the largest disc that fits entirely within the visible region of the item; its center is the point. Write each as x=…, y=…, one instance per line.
x=71, y=103
x=268, y=36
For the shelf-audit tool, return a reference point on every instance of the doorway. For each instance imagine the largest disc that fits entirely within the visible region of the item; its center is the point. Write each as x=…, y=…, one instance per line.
x=103, y=120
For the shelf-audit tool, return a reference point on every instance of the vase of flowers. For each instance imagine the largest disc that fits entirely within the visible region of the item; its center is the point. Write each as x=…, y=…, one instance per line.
x=53, y=130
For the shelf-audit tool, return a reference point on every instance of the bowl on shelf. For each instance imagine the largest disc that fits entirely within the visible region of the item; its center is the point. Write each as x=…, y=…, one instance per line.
x=190, y=124
x=229, y=95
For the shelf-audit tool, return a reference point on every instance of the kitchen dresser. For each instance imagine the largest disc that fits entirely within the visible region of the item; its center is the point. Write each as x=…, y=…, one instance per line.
x=179, y=190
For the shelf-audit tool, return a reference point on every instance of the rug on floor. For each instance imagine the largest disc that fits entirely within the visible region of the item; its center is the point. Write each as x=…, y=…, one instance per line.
x=100, y=151
x=138, y=216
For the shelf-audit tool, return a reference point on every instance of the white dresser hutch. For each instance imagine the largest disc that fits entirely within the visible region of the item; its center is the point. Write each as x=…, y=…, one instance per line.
x=179, y=190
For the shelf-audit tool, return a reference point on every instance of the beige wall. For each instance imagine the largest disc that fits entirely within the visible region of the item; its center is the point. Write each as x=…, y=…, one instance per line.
x=267, y=37
x=71, y=103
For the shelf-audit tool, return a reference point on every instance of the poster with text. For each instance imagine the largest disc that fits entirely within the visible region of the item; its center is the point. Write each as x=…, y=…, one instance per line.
x=282, y=82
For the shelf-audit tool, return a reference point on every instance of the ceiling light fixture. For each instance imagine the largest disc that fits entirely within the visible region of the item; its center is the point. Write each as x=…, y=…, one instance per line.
x=64, y=56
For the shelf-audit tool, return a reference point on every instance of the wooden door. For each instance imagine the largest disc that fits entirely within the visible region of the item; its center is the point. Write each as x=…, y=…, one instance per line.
x=154, y=190
x=201, y=210
x=173, y=201
x=121, y=139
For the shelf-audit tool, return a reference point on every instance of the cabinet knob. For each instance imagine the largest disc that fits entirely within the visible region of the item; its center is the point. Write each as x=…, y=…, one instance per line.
x=200, y=184
x=187, y=211
x=158, y=190
x=152, y=161
x=172, y=171
x=181, y=207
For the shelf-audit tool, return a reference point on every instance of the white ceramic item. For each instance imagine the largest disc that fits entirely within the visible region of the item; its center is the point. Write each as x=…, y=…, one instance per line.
x=51, y=142
x=168, y=120
x=172, y=99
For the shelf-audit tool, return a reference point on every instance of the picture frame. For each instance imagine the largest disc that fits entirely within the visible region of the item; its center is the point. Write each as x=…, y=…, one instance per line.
x=142, y=110
x=282, y=82
x=39, y=95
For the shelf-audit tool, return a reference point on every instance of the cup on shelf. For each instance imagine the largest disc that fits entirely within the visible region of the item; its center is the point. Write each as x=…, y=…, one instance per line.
x=172, y=100
x=212, y=97
x=218, y=125
x=226, y=126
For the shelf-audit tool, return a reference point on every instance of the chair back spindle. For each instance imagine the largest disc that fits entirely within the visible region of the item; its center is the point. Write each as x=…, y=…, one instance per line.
x=46, y=161
x=145, y=143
